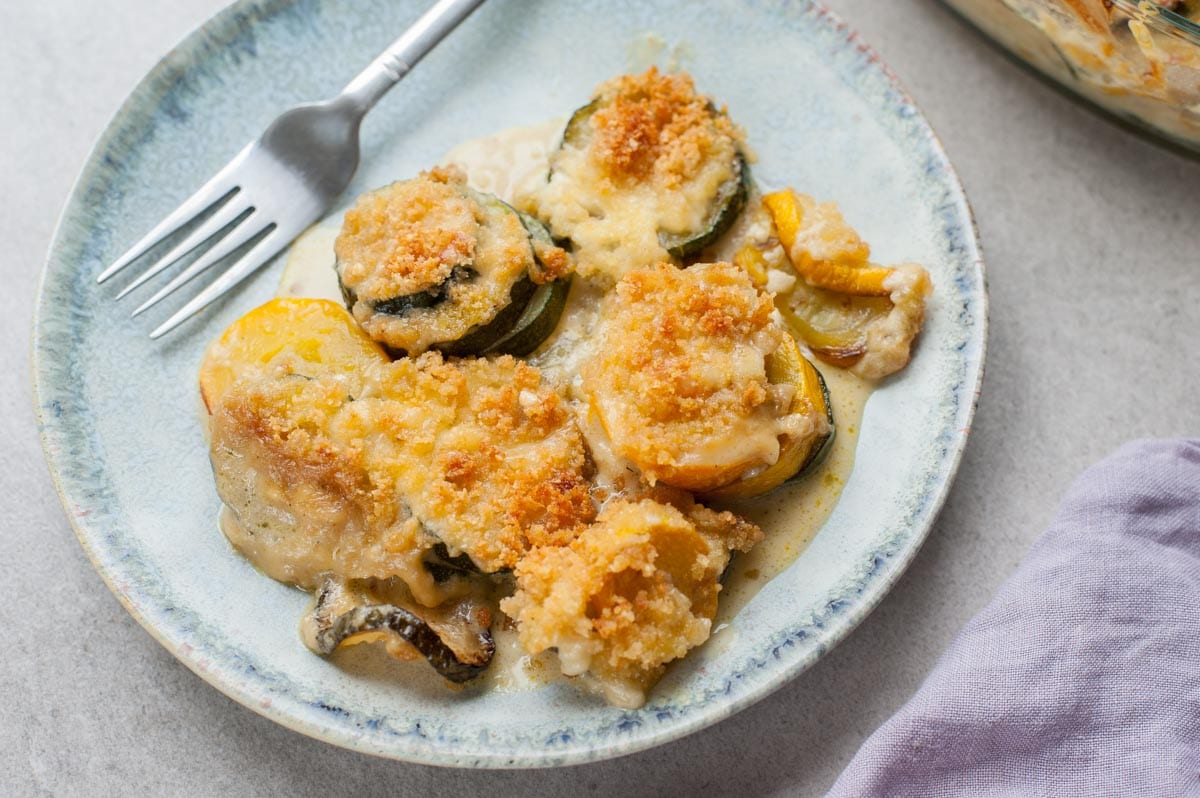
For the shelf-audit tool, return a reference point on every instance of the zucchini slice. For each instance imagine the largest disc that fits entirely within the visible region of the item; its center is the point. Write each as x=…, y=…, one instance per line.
x=536, y=303
x=483, y=338
x=452, y=639
x=537, y=322
x=431, y=263
x=723, y=212
x=647, y=171
x=686, y=395
x=852, y=313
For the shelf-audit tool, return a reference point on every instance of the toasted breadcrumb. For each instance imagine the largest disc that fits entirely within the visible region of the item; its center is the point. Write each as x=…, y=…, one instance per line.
x=512, y=473
x=407, y=237
x=727, y=532
x=656, y=128
x=649, y=159
x=679, y=378
x=634, y=591
x=431, y=235
x=305, y=500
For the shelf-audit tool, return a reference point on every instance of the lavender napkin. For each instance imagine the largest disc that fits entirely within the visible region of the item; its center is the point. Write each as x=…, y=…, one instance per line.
x=1082, y=677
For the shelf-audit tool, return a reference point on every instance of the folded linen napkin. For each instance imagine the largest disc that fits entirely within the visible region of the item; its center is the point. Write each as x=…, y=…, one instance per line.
x=1082, y=676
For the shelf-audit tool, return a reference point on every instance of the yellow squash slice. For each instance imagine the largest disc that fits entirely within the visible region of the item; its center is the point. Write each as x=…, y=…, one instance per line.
x=848, y=272
x=796, y=455
x=317, y=334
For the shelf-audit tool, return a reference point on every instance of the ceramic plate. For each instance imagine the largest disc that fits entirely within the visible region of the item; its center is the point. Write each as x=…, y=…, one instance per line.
x=118, y=412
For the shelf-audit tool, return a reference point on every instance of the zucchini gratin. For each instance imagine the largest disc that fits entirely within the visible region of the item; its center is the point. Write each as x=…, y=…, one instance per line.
x=531, y=419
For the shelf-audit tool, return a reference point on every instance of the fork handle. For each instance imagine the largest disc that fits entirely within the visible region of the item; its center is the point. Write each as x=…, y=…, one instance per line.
x=398, y=59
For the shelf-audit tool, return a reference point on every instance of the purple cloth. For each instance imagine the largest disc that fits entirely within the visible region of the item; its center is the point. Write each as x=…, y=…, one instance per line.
x=1082, y=676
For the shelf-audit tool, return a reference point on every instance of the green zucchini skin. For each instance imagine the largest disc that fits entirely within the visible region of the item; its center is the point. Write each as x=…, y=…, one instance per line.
x=533, y=311
x=538, y=234
x=449, y=315
x=429, y=298
x=823, y=447
x=413, y=630
x=537, y=323
x=481, y=338
x=454, y=666
x=444, y=567
x=577, y=125
x=724, y=211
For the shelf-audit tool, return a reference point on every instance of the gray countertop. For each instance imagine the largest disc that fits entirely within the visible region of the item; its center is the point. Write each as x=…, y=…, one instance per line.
x=1094, y=273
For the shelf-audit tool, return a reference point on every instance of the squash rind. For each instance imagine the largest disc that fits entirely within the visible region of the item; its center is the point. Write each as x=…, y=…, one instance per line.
x=797, y=458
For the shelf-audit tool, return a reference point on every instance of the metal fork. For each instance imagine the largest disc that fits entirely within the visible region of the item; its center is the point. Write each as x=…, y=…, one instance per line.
x=281, y=183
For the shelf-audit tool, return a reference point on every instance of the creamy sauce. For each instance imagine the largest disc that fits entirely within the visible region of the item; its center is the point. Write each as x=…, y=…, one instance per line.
x=309, y=270
x=513, y=669
x=509, y=164
x=791, y=515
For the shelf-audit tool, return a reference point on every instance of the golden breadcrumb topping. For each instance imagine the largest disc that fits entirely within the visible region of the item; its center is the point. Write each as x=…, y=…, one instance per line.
x=303, y=498
x=553, y=262
x=407, y=237
x=679, y=376
x=478, y=454
x=634, y=591
x=512, y=473
x=485, y=455
x=650, y=158
x=431, y=235
x=655, y=128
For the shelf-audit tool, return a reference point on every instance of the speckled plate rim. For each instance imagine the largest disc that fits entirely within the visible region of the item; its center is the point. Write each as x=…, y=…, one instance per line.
x=842, y=613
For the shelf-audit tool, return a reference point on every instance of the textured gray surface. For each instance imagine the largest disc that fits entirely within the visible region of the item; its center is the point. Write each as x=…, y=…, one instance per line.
x=1094, y=272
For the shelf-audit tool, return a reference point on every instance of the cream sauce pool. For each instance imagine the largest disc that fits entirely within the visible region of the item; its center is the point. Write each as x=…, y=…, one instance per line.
x=510, y=164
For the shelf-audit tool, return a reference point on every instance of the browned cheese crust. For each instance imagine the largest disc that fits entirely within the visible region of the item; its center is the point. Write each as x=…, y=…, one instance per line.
x=478, y=454
x=656, y=129
x=422, y=235
x=636, y=590
x=512, y=473
x=650, y=158
x=407, y=237
x=679, y=378
x=303, y=498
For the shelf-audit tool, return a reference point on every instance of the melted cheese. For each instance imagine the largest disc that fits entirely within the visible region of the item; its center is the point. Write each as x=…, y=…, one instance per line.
x=480, y=456
x=509, y=475
x=509, y=164
x=430, y=234
x=679, y=375
x=650, y=158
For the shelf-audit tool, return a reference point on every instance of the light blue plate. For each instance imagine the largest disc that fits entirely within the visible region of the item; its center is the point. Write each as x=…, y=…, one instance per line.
x=118, y=413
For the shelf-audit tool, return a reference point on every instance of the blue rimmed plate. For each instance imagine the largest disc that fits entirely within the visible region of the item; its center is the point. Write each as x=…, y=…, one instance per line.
x=119, y=416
